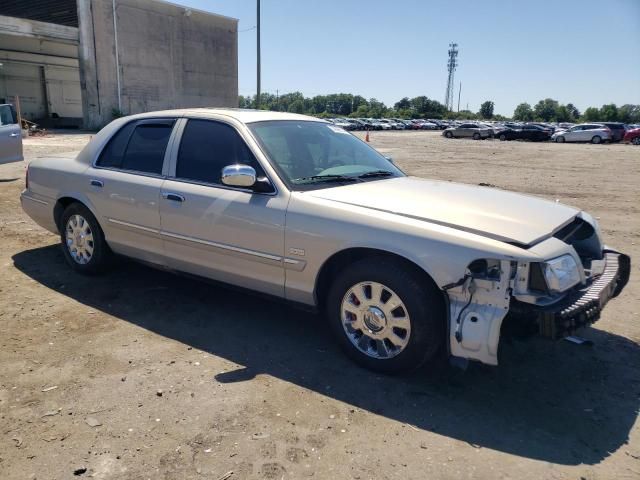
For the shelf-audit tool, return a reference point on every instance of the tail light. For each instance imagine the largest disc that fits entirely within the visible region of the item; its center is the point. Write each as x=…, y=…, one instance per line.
x=26, y=179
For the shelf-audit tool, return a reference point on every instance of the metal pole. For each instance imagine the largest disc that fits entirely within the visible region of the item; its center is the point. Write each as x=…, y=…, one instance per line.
x=258, y=59
x=115, y=37
x=459, y=92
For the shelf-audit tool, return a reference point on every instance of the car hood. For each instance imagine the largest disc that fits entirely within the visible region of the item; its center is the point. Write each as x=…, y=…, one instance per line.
x=506, y=216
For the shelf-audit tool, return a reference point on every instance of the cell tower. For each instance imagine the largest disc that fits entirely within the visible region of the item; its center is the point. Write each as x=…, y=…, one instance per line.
x=451, y=67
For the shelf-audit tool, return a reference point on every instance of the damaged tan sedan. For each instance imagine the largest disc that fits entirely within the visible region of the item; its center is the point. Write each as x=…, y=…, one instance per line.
x=298, y=208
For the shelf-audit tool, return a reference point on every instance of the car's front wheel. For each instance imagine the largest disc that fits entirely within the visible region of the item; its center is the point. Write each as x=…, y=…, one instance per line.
x=385, y=316
x=503, y=137
x=560, y=139
x=83, y=243
x=448, y=134
x=636, y=141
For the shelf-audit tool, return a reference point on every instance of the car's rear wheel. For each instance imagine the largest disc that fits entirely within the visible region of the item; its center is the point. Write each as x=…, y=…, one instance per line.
x=503, y=137
x=560, y=139
x=83, y=243
x=596, y=139
x=448, y=134
x=385, y=316
x=476, y=136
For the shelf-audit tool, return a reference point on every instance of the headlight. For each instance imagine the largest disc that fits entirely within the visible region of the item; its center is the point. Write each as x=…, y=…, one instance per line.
x=561, y=273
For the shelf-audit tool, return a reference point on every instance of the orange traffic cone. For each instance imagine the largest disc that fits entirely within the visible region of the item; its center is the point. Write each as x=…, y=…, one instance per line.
x=366, y=138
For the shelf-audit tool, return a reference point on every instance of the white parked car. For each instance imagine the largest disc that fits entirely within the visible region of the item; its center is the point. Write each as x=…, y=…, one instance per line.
x=10, y=135
x=295, y=207
x=586, y=132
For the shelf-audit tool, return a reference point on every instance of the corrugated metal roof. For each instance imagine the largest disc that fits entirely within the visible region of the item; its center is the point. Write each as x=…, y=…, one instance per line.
x=61, y=12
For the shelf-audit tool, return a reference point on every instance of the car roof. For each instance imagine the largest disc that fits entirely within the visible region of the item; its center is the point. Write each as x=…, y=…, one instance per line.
x=241, y=114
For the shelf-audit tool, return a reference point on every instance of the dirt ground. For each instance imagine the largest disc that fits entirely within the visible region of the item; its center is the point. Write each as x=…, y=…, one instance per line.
x=141, y=374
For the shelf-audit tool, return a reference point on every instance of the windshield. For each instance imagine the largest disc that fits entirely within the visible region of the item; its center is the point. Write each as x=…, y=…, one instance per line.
x=313, y=154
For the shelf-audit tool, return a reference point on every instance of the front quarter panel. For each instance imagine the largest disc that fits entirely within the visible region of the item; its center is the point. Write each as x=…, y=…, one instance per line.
x=316, y=229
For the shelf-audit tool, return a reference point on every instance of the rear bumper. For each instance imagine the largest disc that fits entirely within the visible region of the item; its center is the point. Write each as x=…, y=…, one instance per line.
x=39, y=209
x=583, y=306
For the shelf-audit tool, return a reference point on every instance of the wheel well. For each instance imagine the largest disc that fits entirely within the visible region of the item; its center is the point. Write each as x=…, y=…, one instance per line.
x=347, y=257
x=60, y=207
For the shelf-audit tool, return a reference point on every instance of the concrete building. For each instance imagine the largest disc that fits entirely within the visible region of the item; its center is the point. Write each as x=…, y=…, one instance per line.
x=82, y=62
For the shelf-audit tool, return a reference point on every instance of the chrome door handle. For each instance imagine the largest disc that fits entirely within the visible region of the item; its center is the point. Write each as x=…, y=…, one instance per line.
x=173, y=197
x=97, y=183
x=14, y=134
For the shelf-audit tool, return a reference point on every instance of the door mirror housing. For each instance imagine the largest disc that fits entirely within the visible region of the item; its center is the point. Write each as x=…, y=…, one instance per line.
x=390, y=159
x=239, y=175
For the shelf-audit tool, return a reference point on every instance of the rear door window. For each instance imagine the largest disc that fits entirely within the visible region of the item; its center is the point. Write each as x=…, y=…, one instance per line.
x=138, y=147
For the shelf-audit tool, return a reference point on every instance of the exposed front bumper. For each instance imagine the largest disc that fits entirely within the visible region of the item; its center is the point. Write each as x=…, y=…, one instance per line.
x=581, y=307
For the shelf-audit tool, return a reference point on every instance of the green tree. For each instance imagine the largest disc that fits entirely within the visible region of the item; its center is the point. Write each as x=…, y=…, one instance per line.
x=377, y=109
x=591, y=114
x=545, y=110
x=629, y=113
x=609, y=113
x=486, y=109
x=403, y=104
x=573, y=111
x=297, y=106
x=523, y=113
x=563, y=114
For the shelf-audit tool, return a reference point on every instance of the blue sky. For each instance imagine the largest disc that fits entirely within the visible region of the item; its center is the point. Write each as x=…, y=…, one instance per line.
x=581, y=51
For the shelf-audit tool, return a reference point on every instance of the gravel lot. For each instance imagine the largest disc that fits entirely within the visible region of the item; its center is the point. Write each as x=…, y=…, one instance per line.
x=141, y=374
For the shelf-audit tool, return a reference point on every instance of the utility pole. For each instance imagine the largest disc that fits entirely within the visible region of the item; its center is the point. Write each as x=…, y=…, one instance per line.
x=258, y=57
x=459, y=92
x=452, y=63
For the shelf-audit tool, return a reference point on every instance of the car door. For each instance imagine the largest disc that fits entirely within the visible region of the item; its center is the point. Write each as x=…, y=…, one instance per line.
x=230, y=234
x=124, y=185
x=10, y=136
x=463, y=130
x=573, y=134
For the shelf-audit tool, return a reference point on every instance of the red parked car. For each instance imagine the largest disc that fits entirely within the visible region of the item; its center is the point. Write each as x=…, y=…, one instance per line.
x=632, y=136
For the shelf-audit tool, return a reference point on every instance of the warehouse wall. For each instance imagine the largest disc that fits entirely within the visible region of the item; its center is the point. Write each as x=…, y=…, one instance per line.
x=39, y=63
x=169, y=57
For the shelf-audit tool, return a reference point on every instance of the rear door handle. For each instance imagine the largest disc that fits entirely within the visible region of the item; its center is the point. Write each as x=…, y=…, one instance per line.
x=97, y=183
x=14, y=134
x=173, y=197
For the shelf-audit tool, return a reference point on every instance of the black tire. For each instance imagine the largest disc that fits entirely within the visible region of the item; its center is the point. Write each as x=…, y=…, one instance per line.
x=448, y=134
x=596, y=139
x=636, y=141
x=560, y=139
x=101, y=257
x=503, y=137
x=423, y=302
x=476, y=136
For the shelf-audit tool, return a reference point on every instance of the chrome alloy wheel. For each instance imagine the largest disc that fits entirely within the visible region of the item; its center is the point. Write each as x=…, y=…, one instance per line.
x=375, y=320
x=79, y=238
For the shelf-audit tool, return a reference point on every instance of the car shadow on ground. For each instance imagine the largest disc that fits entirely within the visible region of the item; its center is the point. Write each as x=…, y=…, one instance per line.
x=555, y=402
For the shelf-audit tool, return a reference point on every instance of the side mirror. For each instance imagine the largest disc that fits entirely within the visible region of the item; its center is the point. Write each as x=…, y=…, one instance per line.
x=239, y=176
x=390, y=159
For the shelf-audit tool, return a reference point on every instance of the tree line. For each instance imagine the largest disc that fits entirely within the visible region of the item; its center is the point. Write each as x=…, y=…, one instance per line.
x=348, y=105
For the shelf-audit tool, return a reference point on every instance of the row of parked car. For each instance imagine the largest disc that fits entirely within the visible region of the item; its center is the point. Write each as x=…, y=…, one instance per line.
x=597, y=132
x=389, y=123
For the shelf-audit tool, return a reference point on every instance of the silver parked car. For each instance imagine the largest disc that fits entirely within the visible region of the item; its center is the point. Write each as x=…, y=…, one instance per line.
x=10, y=135
x=586, y=132
x=468, y=130
x=295, y=207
